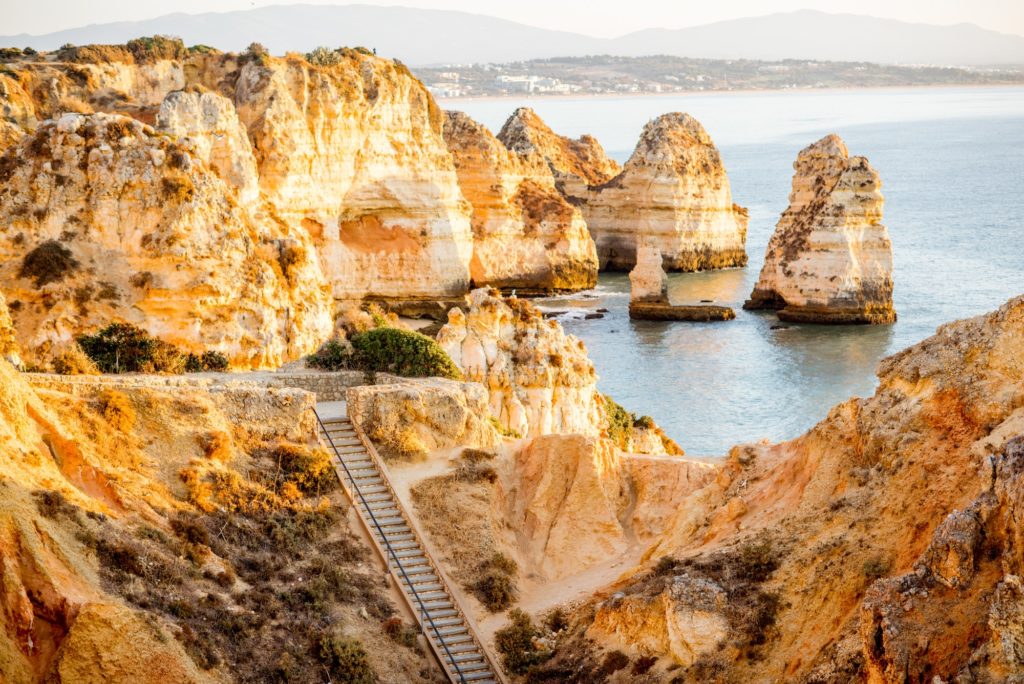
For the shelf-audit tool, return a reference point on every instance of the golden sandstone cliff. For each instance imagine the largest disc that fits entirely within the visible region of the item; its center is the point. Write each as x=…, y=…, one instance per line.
x=830, y=258
x=673, y=192
x=526, y=236
x=882, y=546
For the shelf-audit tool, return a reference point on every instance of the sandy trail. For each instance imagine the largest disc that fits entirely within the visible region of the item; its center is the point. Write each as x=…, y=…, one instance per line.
x=535, y=596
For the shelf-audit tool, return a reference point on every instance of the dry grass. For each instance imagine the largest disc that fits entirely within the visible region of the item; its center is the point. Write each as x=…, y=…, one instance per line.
x=73, y=361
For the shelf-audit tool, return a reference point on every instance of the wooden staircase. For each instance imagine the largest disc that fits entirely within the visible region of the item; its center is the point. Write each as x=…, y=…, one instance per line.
x=419, y=580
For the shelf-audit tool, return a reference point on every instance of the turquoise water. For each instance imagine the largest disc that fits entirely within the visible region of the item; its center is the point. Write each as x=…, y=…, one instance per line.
x=952, y=165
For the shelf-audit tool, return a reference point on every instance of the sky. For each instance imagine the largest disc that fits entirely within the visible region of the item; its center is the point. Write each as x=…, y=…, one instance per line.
x=595, y=17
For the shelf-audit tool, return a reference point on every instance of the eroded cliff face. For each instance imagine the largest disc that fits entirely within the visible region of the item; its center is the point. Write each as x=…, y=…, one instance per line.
x=208, y=125
x=830, y=258
x=526, y=236
x=342, y=169
x=539, y=380
x=103, y=219
x=8, y=337
x=355, y=154
x=880, y=546
x=674, y=194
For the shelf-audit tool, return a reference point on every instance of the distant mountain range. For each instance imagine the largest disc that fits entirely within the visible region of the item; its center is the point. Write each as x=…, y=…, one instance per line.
x=426, y=37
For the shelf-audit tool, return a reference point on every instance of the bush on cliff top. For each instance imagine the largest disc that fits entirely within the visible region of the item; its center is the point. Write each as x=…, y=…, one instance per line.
x=125, y=348
x=402, y=352
x=323, y=56
x=387, y=350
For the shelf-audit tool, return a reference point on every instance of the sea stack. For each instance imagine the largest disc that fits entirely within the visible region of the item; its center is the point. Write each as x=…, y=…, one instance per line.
x=575, y=163
x=674, y=193
x=648, y=294
x=830, y=259
x=526, y=236
x=648, y=282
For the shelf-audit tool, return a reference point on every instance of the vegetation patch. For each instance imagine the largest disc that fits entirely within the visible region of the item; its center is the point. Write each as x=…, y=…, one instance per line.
x=125, y=348
x=496, y=587
x=73, y=361
x=517, y=643
x=402, y=352
x=50, y=262
x=253, y=584
x=387, y=350
x=619, y=422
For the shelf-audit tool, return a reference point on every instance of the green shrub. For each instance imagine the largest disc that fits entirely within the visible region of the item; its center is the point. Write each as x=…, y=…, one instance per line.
x=49, y=262
x=74, y=361
x=495, y=590
x=620, y=422
x=613, y=662
x=402, y=352
x=310, y=470
x=125, y=348
x=556, y=620
x=333, y=356
x=875, y=568
x=323, y=56
x=496, y=586
x=155, y=48
x=208, y=361
x=644, y=423
x=757, y=559
x=515, y=643
x=502, y=430
x=346, y=660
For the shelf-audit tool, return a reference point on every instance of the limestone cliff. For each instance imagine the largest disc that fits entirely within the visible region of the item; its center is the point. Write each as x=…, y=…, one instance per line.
x=881, y=546
x=830, y=258
x=354, y=153
x=103, y=219
x=8, y=337
x=526, y=236
x=575, y=164
x=674, y=194
x=208, y=125
x=539, y=380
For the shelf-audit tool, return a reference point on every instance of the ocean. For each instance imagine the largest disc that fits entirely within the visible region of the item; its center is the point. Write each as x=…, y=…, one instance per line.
x=952, y=167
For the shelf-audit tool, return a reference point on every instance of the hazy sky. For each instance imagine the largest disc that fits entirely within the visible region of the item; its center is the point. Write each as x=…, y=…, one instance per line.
x=596, y=17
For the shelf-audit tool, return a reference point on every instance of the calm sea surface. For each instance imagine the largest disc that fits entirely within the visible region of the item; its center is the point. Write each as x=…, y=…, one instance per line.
x=952, y=166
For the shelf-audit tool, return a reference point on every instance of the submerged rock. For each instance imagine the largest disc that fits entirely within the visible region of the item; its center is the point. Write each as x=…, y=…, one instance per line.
x=526, y=236
x=830, y=258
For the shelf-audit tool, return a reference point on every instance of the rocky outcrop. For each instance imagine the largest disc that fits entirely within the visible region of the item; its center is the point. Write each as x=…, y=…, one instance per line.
x=674, y=194
x=208, y=125
x=648, y=294
x=526, y=236
x=8, y=337
x=347, y=160
x=684, y=621
x=107, y=571
x=648, y=282
x=539, y=380
x=576, y=164
x=105, y=220
x=880, y=546
x=830, y=258
x=411, y=419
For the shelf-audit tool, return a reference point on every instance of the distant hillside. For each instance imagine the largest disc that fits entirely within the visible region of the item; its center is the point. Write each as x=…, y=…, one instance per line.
x=424, y=37
x=603, y=74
